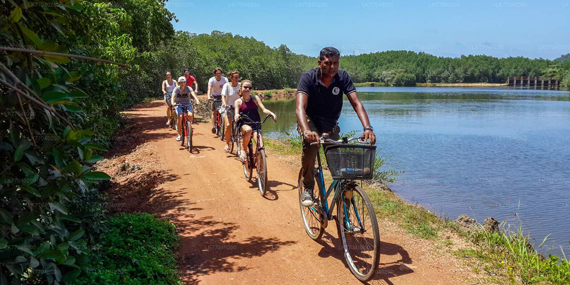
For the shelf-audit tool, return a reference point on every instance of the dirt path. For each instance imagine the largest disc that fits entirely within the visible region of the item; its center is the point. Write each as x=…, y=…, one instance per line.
x=229, y=234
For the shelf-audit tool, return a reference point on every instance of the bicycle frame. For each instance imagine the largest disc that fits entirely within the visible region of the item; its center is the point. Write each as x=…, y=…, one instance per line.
x=257, y=137
x=336, y=186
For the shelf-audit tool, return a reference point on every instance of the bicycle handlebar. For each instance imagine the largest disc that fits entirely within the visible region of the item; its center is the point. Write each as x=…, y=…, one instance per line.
x=246, y=119
x=323, y=140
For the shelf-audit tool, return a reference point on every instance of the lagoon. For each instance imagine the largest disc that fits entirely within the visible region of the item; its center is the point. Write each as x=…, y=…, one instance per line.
x=499, y=152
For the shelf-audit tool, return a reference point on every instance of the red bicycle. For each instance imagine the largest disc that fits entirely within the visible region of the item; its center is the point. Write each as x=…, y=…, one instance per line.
x=186, y=134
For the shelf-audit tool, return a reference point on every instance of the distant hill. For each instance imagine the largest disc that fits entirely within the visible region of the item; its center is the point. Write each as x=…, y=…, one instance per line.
x=563, y=58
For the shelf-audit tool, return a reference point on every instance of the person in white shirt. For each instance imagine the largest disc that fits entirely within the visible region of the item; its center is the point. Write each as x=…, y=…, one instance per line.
x=215, y=85
x=229, y=97
x=168, y=86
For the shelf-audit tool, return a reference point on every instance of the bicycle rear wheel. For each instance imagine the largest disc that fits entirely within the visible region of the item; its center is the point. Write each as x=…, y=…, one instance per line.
x=313, y=216
x=261, y=167
x=358, y=230
x=189, y=132
x=222, y=129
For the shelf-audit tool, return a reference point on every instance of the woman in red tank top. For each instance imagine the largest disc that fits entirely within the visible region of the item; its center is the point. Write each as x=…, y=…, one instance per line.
x=249, y=105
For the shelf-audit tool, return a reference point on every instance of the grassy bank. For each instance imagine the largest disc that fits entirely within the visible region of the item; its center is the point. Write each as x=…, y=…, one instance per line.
x=504, y=257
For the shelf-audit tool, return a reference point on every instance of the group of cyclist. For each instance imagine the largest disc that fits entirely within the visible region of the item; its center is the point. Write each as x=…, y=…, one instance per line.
x=318, y=107
x=231, y=95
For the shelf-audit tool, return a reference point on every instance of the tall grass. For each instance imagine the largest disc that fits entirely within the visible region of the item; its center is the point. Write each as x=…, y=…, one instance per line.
x=511, y=252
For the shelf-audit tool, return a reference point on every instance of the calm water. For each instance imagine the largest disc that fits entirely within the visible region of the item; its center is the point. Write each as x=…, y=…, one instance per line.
x=484, y=152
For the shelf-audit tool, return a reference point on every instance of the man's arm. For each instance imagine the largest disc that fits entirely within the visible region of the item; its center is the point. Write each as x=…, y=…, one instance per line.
x=209, y=90
x=196, y=85
x=362, y=115
x=301, y=105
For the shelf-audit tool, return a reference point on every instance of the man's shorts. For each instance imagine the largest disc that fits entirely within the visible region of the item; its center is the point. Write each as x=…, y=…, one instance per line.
x=217, y=102
x=180, y=109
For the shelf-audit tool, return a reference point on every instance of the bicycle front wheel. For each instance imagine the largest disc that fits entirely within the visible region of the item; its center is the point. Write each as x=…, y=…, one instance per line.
x=261, y=172
x=182, y=133
x=358, y=230
x=189, y=136
x=313, y=216
x=232, y=136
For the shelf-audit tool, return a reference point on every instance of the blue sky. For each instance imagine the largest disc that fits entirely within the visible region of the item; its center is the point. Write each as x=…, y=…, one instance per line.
x=444, y=28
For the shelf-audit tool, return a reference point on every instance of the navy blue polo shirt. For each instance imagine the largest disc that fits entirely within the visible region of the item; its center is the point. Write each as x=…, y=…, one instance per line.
x=325, y=103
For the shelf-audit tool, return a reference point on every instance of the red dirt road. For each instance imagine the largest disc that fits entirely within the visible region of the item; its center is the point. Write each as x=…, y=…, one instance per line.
x=229, y=234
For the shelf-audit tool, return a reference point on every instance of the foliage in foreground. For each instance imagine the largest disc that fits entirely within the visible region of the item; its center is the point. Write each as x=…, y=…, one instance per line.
x=137, y=249
x=511, y=253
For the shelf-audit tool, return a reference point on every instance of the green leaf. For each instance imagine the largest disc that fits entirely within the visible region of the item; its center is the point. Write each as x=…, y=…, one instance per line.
x=32, y=157
x=24, y=145
x=58, y=158
x=94, y=159
x=51, y=254
x=96, y=175
x=71, y=218
x=30, y=229
x=74, y=76
x=31, y=179
x=44, y=82
x=81, y=154
x=6, y=146
x=14, y=229
x=20, y=259
x=78, y=93
x=34, y=262
x=95, y=146
x=73, y=167
x=6, y=216
x=3, y=243
x=63, y=246
x=57, y=59
x=31, y=190
x=70, y=259
x=57, y=206
x=73, y=108
x=66, y=132
x=54, y=96
x=71, y=276
x=42, y=248
x=32, y=36
x=76, y=235
x=15, y=15
x=25, y=248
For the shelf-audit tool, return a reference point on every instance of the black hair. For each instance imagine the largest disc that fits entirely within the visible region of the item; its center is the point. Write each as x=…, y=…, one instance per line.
x=328, y=52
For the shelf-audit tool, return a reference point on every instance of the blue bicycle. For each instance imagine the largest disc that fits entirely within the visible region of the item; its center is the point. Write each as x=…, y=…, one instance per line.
x=356, y=220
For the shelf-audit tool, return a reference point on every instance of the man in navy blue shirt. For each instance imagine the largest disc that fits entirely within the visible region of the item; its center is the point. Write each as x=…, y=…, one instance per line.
x=318, y=106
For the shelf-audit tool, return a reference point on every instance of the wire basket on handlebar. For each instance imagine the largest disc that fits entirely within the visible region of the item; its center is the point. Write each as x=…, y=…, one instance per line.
x=351, y=161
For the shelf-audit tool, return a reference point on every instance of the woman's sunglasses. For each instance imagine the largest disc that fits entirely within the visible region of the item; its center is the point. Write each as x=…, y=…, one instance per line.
x=247, y=87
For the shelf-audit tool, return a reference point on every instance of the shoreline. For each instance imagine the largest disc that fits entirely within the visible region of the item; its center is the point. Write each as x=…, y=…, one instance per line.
x=489, y=247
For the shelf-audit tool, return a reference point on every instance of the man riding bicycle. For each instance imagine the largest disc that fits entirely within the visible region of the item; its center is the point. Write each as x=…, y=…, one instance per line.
x=181, y=99
x=319, y=97
x=215, y=85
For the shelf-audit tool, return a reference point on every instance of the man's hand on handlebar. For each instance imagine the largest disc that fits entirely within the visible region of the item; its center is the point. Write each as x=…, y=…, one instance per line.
x=369, y=137
x=311, y=136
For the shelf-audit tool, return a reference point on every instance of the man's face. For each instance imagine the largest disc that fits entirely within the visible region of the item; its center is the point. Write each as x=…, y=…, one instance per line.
x=218, y=74
x=329, y=65
x=187, y=73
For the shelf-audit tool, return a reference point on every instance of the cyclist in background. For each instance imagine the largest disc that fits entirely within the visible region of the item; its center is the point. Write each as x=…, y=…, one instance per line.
x=181, y=99
x=168, y=86
x=229, y=97
x=215, y=85
x=190, y=80
x=248, y=104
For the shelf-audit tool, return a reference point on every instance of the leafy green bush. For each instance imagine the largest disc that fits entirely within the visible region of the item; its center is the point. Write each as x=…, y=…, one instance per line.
x=566, y=80
x=137, y=249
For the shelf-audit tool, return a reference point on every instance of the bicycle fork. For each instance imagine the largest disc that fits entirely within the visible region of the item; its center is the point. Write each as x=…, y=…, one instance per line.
x=347, y=201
